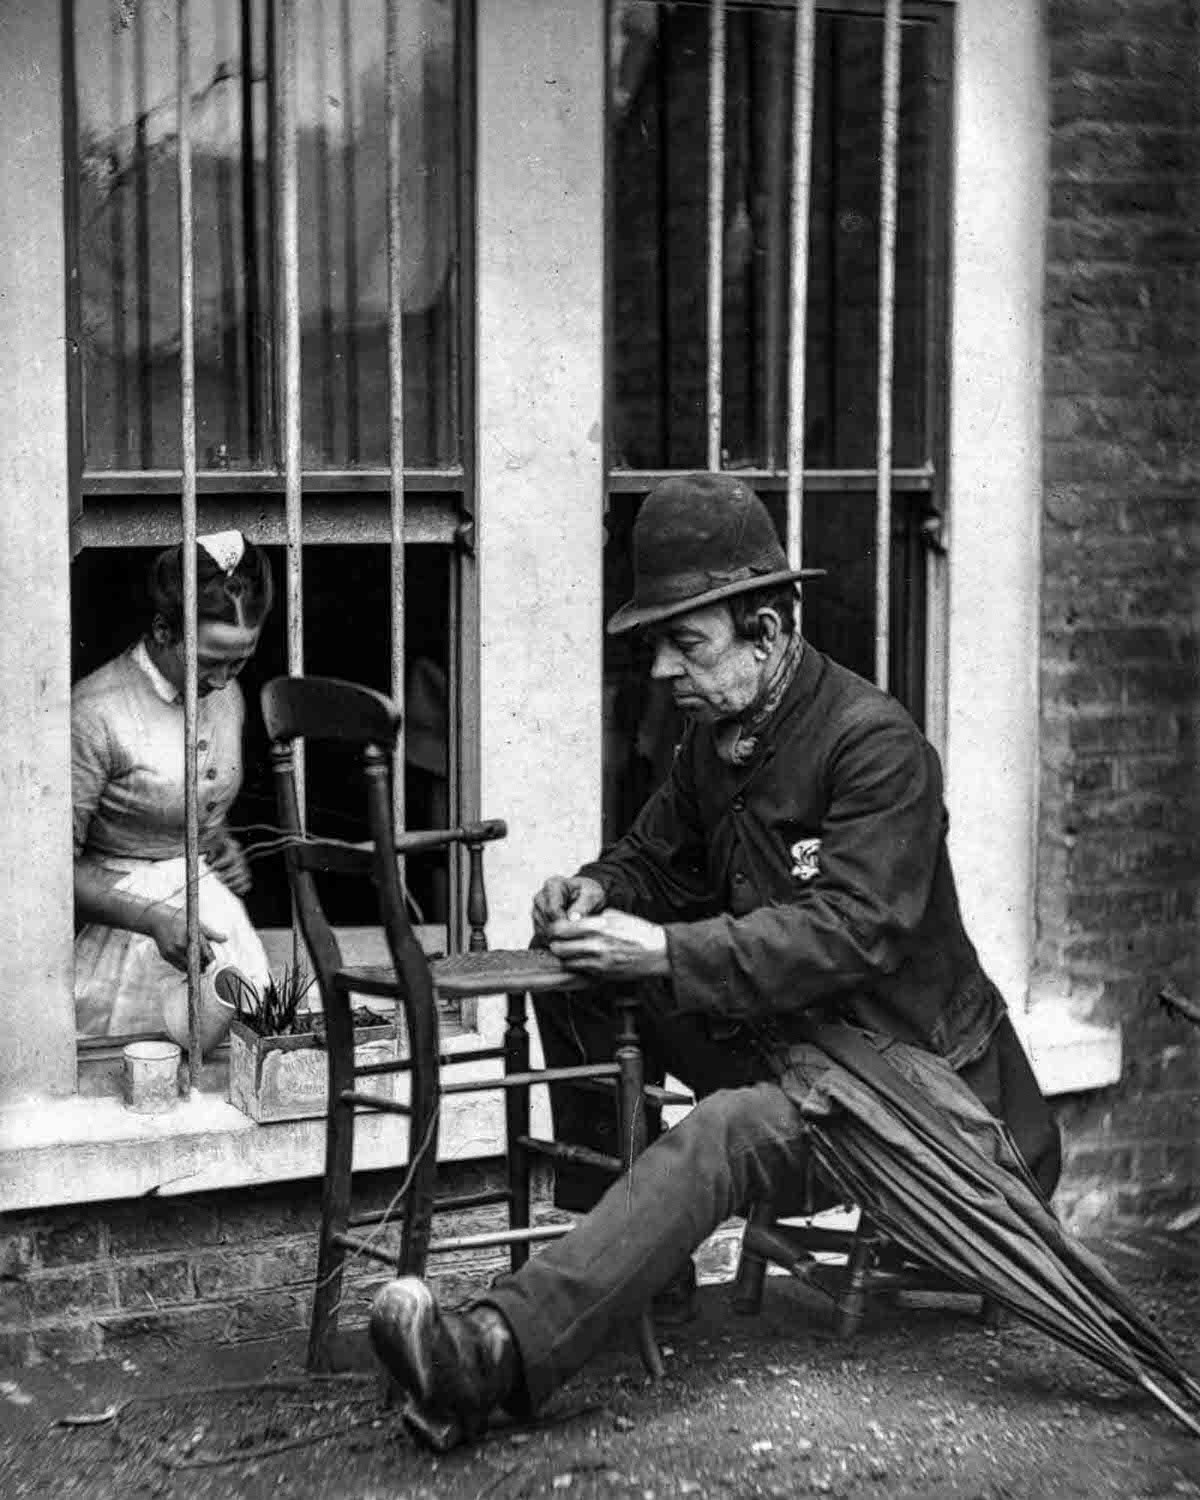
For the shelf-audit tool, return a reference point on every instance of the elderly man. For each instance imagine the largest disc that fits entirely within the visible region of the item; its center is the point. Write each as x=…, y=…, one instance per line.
x=793, y=868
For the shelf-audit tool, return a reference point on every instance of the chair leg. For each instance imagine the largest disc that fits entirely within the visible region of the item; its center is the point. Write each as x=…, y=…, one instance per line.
x=335, y=1210
x=517, y=1125
x=752, y=1264
x=853, y=1302
x=632, y=1134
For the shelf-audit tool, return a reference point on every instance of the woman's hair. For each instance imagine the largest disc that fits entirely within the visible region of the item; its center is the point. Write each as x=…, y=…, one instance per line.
x=240, y=596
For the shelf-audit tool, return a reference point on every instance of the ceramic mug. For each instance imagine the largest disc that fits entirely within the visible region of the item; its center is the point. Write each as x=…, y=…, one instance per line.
x=151, y=1076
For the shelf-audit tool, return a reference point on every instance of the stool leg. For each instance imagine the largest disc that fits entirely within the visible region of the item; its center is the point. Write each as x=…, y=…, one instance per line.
x=516, y=1116
x=853, y=1301
x=632, y=1132
x=752, y=1264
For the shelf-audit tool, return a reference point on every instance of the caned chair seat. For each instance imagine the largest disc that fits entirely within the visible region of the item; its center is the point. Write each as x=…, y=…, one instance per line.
x=458, y=976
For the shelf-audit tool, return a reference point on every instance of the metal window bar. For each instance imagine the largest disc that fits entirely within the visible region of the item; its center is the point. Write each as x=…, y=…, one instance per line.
x=286, y=157
x=802, y=129
x=716, y=228
x=889, y=131
x=187, y=444
x=395, y=245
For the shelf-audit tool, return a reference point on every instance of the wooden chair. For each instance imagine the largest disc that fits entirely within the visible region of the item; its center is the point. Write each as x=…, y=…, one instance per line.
x=869, y=1264
x=325, y=709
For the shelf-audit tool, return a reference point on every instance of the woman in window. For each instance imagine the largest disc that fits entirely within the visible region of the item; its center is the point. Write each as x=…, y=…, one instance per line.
x=128, y=791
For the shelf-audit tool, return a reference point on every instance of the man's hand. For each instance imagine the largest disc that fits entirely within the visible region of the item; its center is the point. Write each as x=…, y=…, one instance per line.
x=613, y=945
x=564, y=898
x=168, y=927
x=228, y=861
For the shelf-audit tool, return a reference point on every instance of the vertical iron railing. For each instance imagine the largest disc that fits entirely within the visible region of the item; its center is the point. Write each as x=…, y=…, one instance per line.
x=395, y=243
x=329, y=106
x=802, y=128
x=286, y=156
x=187, y=444
x=252, y=310
x=714, y=396
x=889, y=138
x=289, y=267
x=776, y=238
x=145, y=332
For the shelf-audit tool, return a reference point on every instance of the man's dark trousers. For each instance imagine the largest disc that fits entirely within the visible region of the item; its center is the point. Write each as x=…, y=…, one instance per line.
x=738, y=1144
x=744, y=1140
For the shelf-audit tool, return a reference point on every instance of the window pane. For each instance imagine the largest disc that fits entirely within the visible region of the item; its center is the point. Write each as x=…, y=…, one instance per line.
x=129, y=235
x=343, y=231
x=660, y=235
x=128, y=244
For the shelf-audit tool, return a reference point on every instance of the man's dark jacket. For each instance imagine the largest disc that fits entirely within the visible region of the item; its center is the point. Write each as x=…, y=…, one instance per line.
x=762, y=925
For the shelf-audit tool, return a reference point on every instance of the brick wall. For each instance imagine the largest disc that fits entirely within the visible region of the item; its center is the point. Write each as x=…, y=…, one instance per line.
x=1119, y=835
x=224, y=1267
x=108, y=1279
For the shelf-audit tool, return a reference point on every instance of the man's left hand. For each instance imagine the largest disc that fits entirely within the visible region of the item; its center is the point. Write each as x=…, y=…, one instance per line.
x=610, y=945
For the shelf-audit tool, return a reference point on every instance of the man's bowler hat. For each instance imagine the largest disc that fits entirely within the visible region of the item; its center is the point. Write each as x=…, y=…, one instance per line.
x=699, y=538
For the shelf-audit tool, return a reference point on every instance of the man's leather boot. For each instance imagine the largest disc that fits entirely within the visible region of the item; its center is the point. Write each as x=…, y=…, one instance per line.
x=456, y=1367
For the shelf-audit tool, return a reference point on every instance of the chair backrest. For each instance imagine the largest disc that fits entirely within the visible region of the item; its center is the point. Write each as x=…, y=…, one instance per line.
x=328, y=709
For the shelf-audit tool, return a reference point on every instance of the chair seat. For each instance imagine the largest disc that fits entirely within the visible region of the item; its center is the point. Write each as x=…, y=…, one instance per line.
x=499, y=971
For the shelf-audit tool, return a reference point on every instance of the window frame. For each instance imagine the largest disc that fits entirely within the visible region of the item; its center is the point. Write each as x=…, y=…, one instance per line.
x=110, y=508
x=917, y=647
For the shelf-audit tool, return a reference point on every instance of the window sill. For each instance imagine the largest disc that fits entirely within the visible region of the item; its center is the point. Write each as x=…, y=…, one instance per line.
x=90, y=1148
x=1069, y=1055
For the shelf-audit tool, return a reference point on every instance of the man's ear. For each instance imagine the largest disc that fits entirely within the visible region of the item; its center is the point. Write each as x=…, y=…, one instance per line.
x=770, y=627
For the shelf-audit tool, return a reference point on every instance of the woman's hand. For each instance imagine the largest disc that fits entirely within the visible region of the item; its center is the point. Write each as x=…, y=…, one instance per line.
x=565, y=898
x=613, y=945
x=228, y=861
x=168, y=927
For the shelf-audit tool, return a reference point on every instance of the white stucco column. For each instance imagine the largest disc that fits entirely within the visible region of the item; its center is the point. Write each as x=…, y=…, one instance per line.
x=999, y=198
x=36, y=1010
x=541, y=71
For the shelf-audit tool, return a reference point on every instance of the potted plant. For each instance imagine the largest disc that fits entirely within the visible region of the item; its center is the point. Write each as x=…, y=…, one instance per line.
x=277, y=1064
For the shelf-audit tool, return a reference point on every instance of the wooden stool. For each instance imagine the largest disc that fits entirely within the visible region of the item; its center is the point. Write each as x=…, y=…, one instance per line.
x=872, y=1265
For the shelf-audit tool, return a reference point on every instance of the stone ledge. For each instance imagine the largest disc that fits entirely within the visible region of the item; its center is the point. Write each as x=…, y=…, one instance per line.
x=1069, y=1056
x=87, y=1149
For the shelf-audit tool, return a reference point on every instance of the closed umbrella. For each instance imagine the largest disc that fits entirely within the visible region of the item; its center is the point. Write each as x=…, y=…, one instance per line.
x=958, y=1196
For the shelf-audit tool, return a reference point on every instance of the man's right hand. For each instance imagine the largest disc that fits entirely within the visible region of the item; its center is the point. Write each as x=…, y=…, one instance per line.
x=168, y=928
x=565, y=897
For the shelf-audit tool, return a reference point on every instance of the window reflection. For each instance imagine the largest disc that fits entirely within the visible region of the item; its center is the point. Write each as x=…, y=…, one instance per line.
x=128, y=241
x=659, y=237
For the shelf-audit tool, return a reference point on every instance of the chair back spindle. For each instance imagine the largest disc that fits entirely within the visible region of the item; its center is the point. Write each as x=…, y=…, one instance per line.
x=477, y=909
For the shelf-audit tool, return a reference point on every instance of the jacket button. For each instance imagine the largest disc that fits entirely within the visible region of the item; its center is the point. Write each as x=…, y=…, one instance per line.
x=739, y=878
x=211, y=774
x=739, y=804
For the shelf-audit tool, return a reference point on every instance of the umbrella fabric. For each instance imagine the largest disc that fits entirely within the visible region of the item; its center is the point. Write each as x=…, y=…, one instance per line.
x=905, y=1139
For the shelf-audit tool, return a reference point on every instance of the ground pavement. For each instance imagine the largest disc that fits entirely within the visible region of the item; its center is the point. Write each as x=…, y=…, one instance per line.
x=925, y=1403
